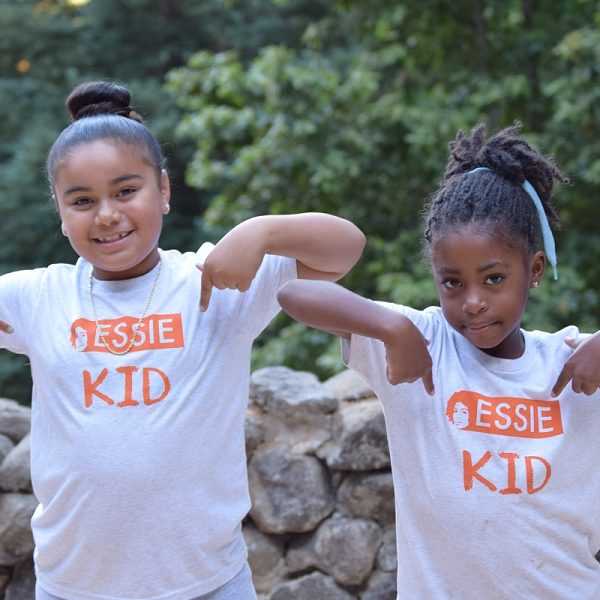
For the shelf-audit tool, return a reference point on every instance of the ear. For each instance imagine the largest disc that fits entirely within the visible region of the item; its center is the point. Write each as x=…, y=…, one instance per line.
x=63, y=228
x=165, y=192
x=537, y=268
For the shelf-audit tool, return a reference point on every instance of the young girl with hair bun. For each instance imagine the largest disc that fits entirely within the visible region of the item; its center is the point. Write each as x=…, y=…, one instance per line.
x=141, y=370
x=494, y=431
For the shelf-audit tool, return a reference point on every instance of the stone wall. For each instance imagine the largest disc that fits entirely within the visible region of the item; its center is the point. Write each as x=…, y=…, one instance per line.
x=322, y=521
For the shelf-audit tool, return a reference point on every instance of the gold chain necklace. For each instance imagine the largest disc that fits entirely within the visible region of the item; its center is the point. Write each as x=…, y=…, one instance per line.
x=135, y=327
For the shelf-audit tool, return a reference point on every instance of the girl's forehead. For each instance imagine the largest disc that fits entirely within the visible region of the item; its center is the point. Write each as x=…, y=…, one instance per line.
x=104, y=149
x=473, y=245
x=92, y=158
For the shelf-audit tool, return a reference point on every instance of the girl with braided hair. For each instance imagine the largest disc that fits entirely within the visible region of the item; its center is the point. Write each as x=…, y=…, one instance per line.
x=141, y=369
x=494, y=431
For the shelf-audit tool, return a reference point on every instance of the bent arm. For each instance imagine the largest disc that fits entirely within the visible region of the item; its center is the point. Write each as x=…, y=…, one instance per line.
x=324, y=246
x=332, y=308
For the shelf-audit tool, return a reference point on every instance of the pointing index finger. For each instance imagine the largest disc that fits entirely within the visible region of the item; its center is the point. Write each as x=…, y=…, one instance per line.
x=206, y=286
x=561, y=381
x=428, y=382
x=206, y=281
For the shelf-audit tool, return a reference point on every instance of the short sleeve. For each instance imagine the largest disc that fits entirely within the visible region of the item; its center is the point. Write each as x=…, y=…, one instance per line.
x=19, y=296
x=258, y=306
x=366, y=355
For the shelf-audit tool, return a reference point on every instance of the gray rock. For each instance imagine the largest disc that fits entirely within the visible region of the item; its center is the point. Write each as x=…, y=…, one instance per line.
x=14, y=470
x=349, y=385
x=297, y=410
x=290, y=493
x=341, y=547
x=254, y=430
x=387, y=557
x=15, y=420
x=266, y=557
x=16, y=540
x=359, y=440
x=381, y=586
x=5, y=575
x=290, y=393
x=315, y=586
x=22, y=584
x=369, y=495
x=6, y=445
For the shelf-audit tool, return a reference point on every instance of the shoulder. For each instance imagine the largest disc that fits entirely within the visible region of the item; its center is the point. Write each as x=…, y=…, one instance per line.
x=552, y=346
x=37, y=276
x=430, y=321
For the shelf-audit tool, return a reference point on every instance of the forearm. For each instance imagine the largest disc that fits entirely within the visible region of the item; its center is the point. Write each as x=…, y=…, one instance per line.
x=325, y=246
x=330, y=307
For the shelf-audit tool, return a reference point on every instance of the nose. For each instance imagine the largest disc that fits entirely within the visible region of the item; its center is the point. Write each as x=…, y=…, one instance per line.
x=107, y=213
x=474, y=303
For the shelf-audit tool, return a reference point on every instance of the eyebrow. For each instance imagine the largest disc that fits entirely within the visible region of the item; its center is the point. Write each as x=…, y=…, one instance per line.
x=491, y=265
x=119, y=179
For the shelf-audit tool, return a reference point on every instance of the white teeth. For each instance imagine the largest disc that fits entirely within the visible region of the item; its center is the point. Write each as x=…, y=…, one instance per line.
x=112, y=238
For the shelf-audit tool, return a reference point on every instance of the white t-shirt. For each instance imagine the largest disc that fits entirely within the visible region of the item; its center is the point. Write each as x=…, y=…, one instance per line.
x=138, y=461
x=497, y=484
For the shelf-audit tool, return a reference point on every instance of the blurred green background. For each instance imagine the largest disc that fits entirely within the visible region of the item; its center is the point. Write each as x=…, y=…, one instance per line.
x=279, y=106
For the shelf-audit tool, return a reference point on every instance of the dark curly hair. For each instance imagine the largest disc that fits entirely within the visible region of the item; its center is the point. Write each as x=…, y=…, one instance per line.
x=493, y=197
x=101, y=110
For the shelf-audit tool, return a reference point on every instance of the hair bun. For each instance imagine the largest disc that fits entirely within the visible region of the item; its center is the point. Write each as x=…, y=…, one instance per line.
x=100, y=98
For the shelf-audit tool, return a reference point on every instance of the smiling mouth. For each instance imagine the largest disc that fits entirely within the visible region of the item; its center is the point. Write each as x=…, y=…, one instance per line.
x=115, y=237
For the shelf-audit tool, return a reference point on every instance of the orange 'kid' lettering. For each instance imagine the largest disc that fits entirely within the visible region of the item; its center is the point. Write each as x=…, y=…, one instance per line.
x=155, y=386
x=470, y=470
x=128, y=391
x=146, y=385
x=511, y=488
x=531, y=489
x=90, y=388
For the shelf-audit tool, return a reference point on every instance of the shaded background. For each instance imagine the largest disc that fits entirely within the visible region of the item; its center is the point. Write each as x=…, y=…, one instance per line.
x=279, y=106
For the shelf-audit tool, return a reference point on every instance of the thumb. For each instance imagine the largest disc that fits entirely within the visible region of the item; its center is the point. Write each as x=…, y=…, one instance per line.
x=572, y=342
x=6, y=327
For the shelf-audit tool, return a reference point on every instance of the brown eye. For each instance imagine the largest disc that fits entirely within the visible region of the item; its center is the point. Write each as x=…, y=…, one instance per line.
x=495, y=279
x=451, y=284
x=126, y=191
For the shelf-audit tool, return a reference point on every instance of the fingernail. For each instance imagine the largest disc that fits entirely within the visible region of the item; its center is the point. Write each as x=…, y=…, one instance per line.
x=9, y=329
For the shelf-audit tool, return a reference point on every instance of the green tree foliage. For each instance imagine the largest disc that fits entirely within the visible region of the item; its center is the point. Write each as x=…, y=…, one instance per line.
x=49, y=46
x=288, y=105
x=356, y=122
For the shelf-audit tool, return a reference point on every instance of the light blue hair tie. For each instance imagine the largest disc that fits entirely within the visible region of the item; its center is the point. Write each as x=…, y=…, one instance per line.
x=549, y=245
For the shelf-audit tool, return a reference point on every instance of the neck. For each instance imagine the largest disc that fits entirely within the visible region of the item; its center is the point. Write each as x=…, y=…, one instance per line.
x=141, y=268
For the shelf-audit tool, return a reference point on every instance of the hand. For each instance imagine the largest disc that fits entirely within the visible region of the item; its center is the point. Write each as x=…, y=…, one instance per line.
x=408, y=358
x=226, y=265
x=4, y=326
x=582, y=368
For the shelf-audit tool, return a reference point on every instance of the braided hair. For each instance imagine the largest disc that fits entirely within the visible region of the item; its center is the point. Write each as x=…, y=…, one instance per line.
x=493, y=197
x=101, y=110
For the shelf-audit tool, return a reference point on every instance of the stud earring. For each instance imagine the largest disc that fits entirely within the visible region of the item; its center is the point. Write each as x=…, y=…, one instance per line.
x=167, y=209
x=535, y=284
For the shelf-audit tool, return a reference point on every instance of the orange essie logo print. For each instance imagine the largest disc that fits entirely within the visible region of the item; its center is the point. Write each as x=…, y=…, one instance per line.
x=156, y=332
x=515, y=417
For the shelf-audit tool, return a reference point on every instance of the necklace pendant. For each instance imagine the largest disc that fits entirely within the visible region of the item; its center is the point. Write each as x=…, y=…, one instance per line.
x=134, y=328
